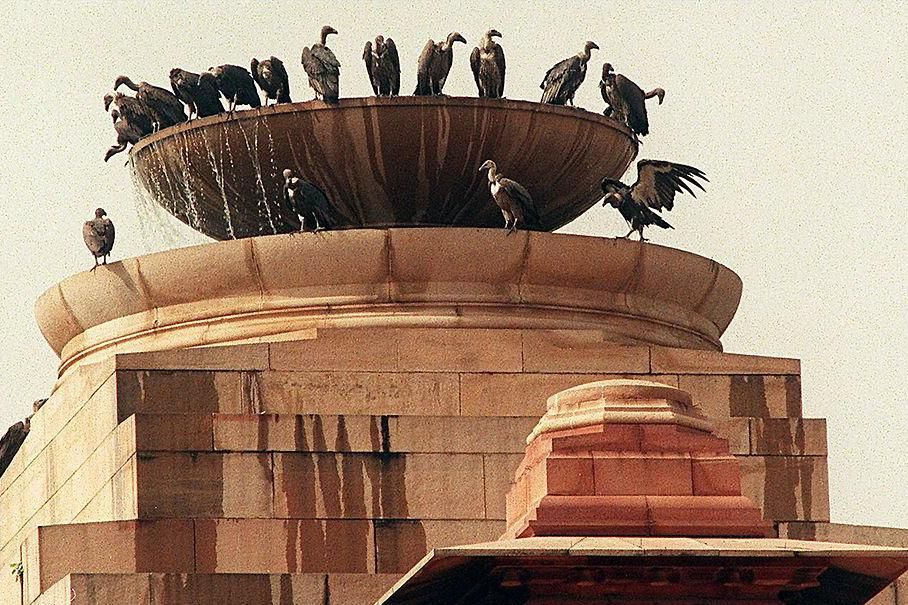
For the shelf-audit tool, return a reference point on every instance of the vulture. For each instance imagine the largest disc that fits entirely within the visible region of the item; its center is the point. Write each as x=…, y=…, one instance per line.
x=11, y=442
x=132, y=120
x=323, y=68
x=434, y=64
x=98, y=234
x=235, y=83
x=626, y=100
x=383, y=66
x=165, y=104
x=307, y=201
x=563, y=80
x=655, y=188
x=271, y=76
x=487, y=61
x=514, y=200
x=201, y=96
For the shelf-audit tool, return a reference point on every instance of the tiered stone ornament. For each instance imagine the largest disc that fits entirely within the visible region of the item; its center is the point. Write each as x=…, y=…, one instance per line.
x=628, y=458
x=625, y=495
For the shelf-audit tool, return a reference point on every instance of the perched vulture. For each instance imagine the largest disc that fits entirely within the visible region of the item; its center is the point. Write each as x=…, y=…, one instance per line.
x=627, y=100
x=235, y=83
x=201, y=96
x=487, y=61
x=563, y=80
x=98, y=234
x=514, y=200
x=132, y=120
x=434, y=64
x=383, y=66
x=271, y=76
x=165, y=104
x=128, y=133
x=655, y=188
x=11, y=442
x=323, y=68
x=307, y=201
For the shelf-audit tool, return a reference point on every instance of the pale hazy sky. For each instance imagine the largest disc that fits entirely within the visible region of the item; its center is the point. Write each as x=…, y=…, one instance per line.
x=796, y=111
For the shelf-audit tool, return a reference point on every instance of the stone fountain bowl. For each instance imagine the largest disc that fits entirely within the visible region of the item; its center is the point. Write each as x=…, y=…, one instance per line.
x=403, y=161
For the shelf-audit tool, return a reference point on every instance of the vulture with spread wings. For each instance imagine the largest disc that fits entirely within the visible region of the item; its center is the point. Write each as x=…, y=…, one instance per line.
x=655, y=188
x=487, y=62
x=383, y=66
x=512, y=198
x=323, y=68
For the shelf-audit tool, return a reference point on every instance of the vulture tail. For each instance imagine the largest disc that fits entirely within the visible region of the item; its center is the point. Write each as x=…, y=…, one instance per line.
x=657, y=220
x=331, y=86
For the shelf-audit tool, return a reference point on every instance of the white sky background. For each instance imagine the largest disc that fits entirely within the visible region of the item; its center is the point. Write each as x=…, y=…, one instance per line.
x=796, y=113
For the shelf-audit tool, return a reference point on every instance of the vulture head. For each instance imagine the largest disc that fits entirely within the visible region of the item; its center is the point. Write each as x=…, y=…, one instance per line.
x=491, y=167
x=494, y=33
x=379, y=44
x=108, y=99
x=326, y=29
x=585, y=54
x=121, y=80
x=612, y=190
x=452, y=38
x=608, y=72
x=100, y=213
x=288, y=174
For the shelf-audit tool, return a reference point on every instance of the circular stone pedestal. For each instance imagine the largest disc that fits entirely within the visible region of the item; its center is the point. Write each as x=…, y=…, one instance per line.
x=265, y=288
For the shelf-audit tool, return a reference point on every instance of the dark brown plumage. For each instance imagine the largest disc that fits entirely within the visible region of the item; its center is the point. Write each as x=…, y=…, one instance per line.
x=235, y=83
x=132, y=120
x=626, y=100
x=271, y=76
x=167, y=107
x=10, y=443
x=512, y=198
x=564, y=78
x=99, y=234
x=655, y=188
x=307, y=201
x=201, y=96
x=323, y=68
x=434, y=65
x=383, y=66
x=488, y=64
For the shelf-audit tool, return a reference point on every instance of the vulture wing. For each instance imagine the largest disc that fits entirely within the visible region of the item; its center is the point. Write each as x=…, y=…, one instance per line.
x=326, y=59
x=367, y=58
x=475, y=62
x=499, y=60
x=555, y=78
x=658, y=181
x=280, y=73
x=164, y=102
x=635, y=99
x=316, y=201
x=10, y=444
x=422, y=68
x=391, y=49
x=519, y=193
x=93, y=238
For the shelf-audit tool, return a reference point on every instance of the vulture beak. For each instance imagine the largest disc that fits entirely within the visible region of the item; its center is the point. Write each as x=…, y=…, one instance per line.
x=459, y=38
x=593, y=45
x=331, y=30
x=495, y=33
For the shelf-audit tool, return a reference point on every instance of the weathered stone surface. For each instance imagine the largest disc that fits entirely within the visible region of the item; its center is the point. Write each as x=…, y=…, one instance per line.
x=179, y=392
x=402, y=543
x=578, y=351
x=754, y=395
x=310, y=432
x=173, y=432
x=459, y=350
x=689, y=361
x=787, y=487
x=232, y=357
x=396, y=486
x=461, y=434
x=358, y=393
x=204, y=485
x=794, y=436
x=361, y=349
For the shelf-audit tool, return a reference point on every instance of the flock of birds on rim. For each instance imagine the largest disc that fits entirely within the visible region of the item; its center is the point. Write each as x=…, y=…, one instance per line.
x=153, y=108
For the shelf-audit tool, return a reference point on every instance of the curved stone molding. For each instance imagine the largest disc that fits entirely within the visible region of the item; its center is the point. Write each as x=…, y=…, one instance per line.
x=260, y=288
x=383, y=162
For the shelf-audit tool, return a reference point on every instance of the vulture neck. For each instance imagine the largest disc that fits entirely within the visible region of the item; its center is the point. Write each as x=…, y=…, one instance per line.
x=129, y=83
x=323, y=39
x=487, y=43
x=493, y=173
x=585, y=54
x=448, y=43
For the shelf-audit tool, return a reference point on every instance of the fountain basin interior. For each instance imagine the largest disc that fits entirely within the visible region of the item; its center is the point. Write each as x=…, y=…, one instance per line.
x=402, y=161
x=278, y=287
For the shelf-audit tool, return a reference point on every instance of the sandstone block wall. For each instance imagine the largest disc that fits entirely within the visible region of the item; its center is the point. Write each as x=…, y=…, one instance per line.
x=375, y=443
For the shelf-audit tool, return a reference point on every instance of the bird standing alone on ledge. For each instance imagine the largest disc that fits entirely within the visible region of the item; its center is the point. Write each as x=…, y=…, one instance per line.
x=512, y=198
x=98, y=234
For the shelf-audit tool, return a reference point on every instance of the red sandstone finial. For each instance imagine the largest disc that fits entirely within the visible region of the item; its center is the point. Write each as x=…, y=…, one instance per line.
x=628, y=458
